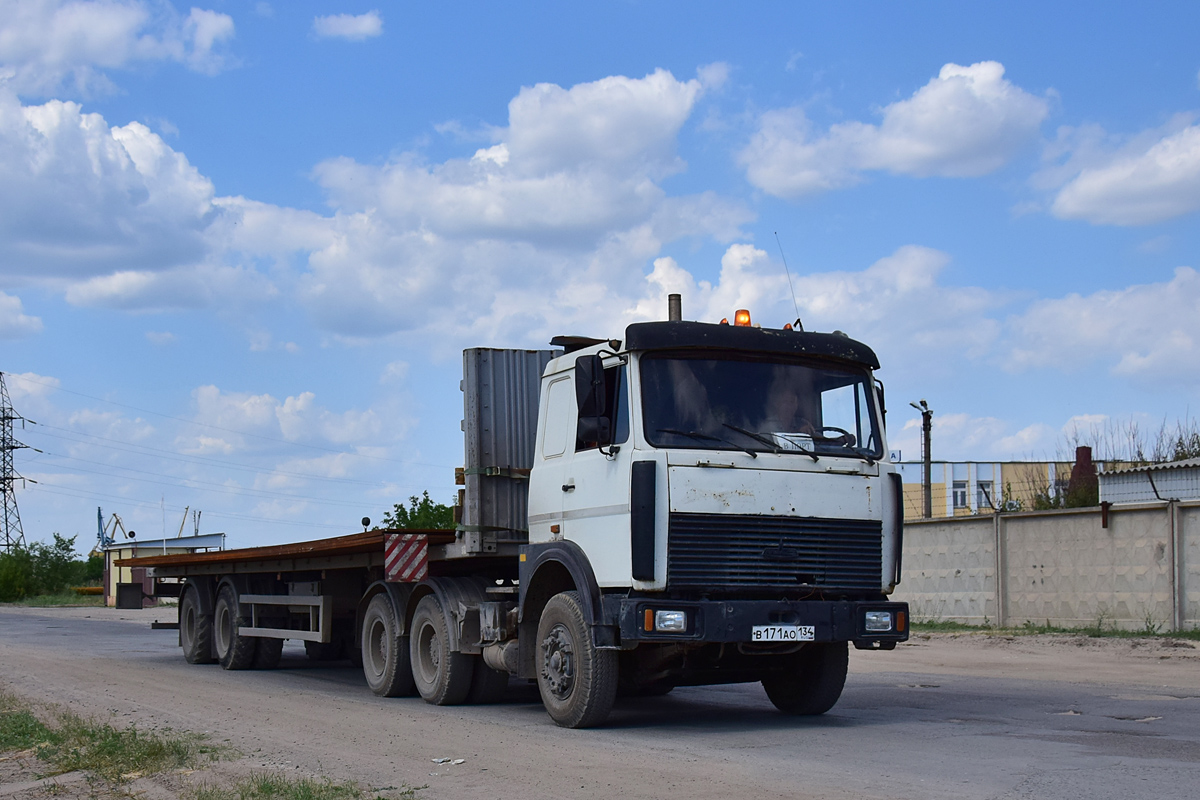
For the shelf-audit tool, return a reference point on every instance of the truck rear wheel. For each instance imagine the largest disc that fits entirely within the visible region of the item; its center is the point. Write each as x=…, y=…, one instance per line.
x=814, y=685
x=577, y=680
x=385, y=656
x=234, y=651
x=195, y=629
x=442, y=676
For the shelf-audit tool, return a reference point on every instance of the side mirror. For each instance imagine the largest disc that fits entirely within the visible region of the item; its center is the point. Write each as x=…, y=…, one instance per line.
x=589, y=386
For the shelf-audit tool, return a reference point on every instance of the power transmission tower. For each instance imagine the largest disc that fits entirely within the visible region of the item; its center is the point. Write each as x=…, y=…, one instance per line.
x=14, y=536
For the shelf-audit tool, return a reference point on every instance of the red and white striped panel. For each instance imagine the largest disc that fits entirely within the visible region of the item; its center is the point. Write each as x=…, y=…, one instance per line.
x=406, y=557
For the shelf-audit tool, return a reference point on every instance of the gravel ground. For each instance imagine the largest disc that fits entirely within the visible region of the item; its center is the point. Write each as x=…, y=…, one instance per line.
x=943, y=716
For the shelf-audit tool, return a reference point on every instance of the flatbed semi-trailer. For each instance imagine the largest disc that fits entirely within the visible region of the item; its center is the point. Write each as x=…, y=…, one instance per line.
x=690, y=504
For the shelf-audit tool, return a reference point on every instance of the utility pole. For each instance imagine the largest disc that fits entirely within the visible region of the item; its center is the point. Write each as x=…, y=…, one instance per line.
x=927, y=477
x=14, y=536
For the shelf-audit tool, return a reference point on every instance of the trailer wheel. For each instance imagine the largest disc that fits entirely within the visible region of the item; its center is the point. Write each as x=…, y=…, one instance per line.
x=385, y=657
x=577, y=680
x=234, y=651
x=814, y=685
x=442, y=676
x=195, y=629
x=268, y=653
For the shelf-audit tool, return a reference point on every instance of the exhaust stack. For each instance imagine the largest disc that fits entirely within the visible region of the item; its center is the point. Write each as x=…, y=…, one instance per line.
x=674, y=308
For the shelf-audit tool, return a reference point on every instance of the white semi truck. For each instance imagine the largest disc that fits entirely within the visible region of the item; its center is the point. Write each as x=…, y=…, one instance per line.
x=689, y=504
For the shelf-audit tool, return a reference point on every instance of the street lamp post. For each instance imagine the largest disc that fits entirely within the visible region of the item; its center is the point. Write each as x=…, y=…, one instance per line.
x=927, y=476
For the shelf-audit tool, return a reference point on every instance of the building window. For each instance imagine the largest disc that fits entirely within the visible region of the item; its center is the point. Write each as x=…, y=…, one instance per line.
x=960, y=494
x=985, y=498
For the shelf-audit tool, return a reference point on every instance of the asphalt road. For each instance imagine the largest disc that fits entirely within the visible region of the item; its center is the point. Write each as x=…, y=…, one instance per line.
x=944, y=717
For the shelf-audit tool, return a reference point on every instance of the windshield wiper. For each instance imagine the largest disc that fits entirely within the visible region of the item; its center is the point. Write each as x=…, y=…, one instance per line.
x=758, y=437
x=705, y=437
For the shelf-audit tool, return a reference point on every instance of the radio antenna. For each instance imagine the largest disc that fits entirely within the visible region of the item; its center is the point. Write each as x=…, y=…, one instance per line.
x=791, y=288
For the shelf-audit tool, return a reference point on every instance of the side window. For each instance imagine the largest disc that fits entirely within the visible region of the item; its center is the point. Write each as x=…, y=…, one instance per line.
x=616, y=414
x=559, y=399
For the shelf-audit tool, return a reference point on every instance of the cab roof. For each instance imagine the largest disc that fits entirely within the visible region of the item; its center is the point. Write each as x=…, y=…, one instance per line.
x=703, y=335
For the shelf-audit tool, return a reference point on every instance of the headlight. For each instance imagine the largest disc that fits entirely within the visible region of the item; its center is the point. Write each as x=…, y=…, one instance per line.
x=670, y=621
x=877, y=621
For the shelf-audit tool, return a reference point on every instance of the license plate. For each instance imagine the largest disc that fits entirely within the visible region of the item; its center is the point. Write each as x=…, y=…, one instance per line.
x=782, y=633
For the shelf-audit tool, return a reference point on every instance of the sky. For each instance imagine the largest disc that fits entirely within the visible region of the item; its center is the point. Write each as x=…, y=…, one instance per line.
x=243, y=244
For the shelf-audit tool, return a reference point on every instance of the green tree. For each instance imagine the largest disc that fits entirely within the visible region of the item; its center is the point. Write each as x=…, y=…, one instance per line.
x=421, y=513
x=40, y=569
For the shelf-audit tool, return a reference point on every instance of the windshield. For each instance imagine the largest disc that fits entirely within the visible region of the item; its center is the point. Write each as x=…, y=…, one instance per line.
x=728, y=401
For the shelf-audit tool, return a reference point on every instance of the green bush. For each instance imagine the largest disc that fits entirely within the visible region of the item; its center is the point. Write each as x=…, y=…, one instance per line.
x=41, y=569
x=422, y=514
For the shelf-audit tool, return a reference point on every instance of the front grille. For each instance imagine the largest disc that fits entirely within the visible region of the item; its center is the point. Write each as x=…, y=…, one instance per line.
x=727, y=551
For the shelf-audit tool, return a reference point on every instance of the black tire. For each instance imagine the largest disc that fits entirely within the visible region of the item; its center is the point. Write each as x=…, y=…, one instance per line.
x=234, y=651
x=578, y=681
x=195, y=628
x=487, y=685
x=268, y=653
x=324, y=651
x=815, y=683
x=384, y=654
x=442, y=677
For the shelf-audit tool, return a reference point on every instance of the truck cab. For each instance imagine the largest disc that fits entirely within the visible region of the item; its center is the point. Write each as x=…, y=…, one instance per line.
x=722, y=499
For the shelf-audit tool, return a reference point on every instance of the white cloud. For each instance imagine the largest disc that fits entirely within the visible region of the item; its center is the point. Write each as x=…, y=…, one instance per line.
x=195, y=287
x=1140, y=184
x=348, y=26
x=874, y=304
x=1146, y=331
x=966, y=122
x=14, y=322
x=46, y=44
x=526, y=232
x=206, y=30
x=161, y=338
x=238, y=421
x=81, y=198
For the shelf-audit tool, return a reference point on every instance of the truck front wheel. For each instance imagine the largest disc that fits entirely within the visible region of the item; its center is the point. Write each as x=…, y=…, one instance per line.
x=234, y=651
x=814, y=684
x=577, y=680
x=442, y=676
x=385, y=658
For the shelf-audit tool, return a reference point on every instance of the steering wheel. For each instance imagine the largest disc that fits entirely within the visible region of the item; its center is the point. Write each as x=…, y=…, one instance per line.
x=844, y=437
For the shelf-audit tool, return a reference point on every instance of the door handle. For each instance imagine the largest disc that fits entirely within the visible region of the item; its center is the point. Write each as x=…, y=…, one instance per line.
x=568, y=487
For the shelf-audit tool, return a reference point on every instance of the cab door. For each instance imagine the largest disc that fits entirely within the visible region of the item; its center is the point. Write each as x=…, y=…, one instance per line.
x=595, y=487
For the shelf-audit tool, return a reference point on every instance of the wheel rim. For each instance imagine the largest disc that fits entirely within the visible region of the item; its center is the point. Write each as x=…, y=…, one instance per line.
x=558, y=662
x=429, y=653
x=224, y=629
x=377, y=647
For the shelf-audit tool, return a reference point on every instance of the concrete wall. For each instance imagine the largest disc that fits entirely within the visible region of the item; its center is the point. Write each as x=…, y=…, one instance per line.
x=1065, y=568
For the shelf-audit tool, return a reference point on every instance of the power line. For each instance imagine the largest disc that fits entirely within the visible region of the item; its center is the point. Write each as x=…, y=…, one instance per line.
x=182, y=482
x=84, y=494
x=155, y=452
x=220, y=428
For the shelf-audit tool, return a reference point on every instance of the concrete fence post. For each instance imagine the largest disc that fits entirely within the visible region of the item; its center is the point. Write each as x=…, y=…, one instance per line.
x=1178, y=573
x=1001, y=556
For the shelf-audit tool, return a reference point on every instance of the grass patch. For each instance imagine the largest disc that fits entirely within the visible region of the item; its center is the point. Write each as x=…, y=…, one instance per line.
x=1100, y=629
x=271, y=786
x=68, y=742
x=68, y=598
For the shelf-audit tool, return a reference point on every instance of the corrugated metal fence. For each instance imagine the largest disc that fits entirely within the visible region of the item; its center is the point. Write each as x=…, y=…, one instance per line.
x=1135, y=567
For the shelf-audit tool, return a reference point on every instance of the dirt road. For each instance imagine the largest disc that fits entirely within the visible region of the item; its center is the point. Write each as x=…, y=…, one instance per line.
x=942, y=717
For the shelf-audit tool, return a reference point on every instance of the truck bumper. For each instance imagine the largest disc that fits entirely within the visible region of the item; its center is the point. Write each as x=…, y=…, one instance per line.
x=735, y=620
